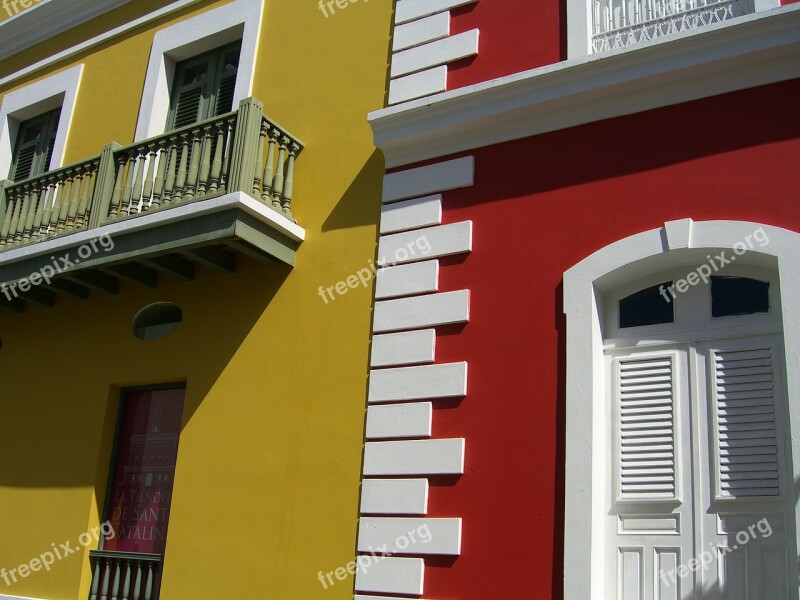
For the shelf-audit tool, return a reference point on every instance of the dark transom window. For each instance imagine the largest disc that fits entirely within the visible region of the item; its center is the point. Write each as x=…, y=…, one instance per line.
x=732, y=296
x=651, y=306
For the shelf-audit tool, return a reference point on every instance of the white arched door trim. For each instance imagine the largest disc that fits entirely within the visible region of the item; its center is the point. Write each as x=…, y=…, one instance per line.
x=676, y=243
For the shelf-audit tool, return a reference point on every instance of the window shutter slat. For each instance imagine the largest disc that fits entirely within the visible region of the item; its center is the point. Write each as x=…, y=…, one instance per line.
x=745, y=424
x=187, y=107
x=225, y=95
x=25, y=159
x=646, y=427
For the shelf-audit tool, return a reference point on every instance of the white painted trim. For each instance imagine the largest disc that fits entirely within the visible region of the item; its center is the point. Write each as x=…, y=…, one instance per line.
x=438, y=241
x=406, y=280
x=433, y=54
x=586, y=426
x=99, y=39
x=444, y=380
x=421, y=181
x=156, y=219
x=421, y=311
x=422, y=31
x=741, y=53
x=404, y=348
x=394, y=496
x=391, y=421
x=240, y=19
x=411, y=214
x=392, y=576
x=48, y=19
x=32, y=100
x=417, y=85
x=408, y=10
x=444, y=535
x=4, y=597
x=414, y=457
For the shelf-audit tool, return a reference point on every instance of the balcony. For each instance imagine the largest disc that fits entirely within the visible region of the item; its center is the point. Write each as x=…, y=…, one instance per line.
x=125, y=576
x=621, y=23
x=201, y=194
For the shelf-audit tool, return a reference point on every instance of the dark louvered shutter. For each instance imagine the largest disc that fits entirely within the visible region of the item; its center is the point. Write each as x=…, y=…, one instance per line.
x=33, y=150
x=204, y=86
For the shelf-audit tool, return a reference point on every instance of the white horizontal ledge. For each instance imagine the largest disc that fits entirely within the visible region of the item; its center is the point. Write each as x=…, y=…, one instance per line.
x=447, y=380
x=421, y=311
x=404, y=348
x=162, y=217
x=421, y=31
x=433, y=54
x=394, y=496
x=414, y=457
x=407, y=280
x=745, y=52
x=411, y=214
x=402, y=535
x=412, y=420
x=389, y=575
x=408, y=10
x=418, y=85
x=439, y=177
x=431, y=242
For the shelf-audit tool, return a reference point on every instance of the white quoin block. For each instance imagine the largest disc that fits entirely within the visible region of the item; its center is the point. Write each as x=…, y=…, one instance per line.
x=414, y=457
x=389, y=575
x=421, y=244
x=447, y=380
x=399, y=420
x=402, y=535
x=404, y=348
x=411, y=214
x=394, y=496
x=407, y=280
x=421, y=311
x=421, y=31
x=440, y=52
x=421, y=181
x=408, y=10
x=418, y=85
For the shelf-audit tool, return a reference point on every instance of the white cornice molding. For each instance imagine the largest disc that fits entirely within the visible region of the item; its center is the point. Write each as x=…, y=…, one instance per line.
x=78, y=48
x=48, y=19
x=754, y=50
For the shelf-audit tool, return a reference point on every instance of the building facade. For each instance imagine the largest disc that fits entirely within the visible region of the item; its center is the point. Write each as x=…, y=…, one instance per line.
x=182, y=410
x=587, y=388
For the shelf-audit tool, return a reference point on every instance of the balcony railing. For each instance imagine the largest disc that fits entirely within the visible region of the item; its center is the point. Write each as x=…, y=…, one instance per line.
x=240, y=151
x=620, y=23
x=125, y=576
x=231, y=177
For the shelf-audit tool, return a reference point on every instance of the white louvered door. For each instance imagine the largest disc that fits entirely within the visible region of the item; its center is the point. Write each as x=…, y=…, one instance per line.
x=698, y=499
x=650, y=525
x=747, y=516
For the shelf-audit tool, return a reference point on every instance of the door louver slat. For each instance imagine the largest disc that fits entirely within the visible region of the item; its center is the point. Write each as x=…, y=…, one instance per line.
x=646, y=425
x=746, y=428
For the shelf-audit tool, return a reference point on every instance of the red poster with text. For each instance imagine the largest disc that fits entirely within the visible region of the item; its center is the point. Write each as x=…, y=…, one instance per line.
x=147, y=451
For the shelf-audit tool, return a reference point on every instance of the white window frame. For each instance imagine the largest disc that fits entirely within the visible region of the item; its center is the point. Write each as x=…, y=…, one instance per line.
x=579, y=27
x=32, y=100
x=585, y=285
x=239, y=20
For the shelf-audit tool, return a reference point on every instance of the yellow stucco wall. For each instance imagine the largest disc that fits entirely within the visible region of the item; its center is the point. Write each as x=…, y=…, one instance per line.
x=267, y=480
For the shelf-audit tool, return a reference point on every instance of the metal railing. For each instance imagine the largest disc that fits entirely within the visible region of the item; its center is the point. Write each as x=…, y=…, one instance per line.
x=241, y=151
x=620, y=23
